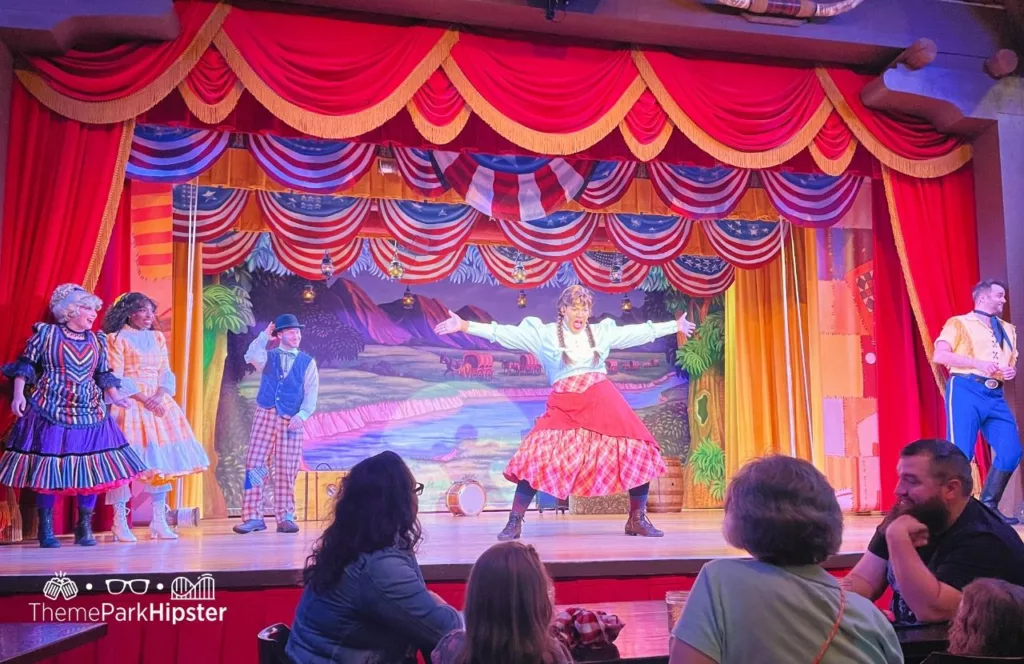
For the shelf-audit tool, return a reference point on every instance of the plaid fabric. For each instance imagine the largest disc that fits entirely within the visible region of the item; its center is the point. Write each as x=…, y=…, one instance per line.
x=577, y=627
x=583, y=462
x=270, y=437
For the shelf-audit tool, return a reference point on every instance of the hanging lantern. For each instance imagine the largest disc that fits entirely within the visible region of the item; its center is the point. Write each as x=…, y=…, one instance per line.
x=308, y=294
x=408, y=300
x=616, y=274
x=626, y=304
x=521, y=300
x=327, y=266
x=519, y=273
x=396, y=270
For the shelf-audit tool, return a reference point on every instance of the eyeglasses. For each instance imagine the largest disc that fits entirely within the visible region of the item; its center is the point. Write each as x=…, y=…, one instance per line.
x=137, y=586
x=418, y=488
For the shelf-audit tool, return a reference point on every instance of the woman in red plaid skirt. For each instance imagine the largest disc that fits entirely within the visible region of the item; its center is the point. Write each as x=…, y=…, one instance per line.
x=588, y=442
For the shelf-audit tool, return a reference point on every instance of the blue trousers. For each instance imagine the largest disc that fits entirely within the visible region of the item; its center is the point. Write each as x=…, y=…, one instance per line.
x=971, y=407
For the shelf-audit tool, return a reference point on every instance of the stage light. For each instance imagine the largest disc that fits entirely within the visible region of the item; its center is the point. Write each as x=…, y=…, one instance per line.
x=519, y=274
x=327, y=266
x=308, y=294
x=626, y=304
x=408, y=300
x=521, y=300
x=395, y=269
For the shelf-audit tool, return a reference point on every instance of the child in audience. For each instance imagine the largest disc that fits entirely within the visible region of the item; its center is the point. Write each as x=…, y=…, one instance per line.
x=509, y=609
x=990, y=620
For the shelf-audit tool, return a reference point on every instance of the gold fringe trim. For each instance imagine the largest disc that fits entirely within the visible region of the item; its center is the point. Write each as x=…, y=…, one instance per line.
x=126, y=108
x=915, y=302
x=336, y=126
x=717, y=149
x=438, y=134
x=92, y=274
x=211, y=113
x=923, y=168
x=645, y=151
x=835, y=166
x=538, y=141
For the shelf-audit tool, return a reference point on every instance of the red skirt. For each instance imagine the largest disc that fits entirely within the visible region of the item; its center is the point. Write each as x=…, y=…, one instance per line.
x=588, y=442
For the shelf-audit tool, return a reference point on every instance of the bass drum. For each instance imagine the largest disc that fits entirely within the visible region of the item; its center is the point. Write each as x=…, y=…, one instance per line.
x=466, y=498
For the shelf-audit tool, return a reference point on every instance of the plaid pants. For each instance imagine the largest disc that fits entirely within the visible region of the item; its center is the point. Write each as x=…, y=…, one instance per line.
x=270, y=437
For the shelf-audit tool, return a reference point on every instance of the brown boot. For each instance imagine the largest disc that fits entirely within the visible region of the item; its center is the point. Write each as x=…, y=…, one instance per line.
x=639, y=524
x=513, y=529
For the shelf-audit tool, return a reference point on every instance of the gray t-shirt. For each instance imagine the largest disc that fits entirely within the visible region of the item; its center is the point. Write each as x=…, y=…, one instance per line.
x=746, y=611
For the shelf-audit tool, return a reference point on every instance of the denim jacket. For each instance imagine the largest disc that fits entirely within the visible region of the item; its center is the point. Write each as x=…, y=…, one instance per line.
x=378, y=613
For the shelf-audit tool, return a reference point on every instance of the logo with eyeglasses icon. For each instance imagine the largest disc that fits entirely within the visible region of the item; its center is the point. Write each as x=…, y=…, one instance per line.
x=135, y=586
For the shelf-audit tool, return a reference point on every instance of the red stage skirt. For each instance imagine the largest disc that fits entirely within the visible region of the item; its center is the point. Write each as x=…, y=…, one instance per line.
x=589, y=442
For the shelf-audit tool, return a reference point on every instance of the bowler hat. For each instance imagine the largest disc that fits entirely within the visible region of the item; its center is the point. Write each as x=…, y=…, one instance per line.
x=285, y=322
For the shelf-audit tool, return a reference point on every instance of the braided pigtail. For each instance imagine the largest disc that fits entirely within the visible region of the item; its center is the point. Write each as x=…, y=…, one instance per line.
x=561, y=338
x=590, y=338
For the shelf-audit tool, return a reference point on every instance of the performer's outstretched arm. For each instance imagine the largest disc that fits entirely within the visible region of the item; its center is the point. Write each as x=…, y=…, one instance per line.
x=524, y=337
x=630, y=336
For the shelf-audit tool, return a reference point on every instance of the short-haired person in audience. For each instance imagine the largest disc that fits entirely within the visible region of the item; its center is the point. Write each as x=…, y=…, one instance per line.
x=980, y=351
x=990, y=621
x=782, y=606
x=365, y=601
x=508, y=612
x=936, y=540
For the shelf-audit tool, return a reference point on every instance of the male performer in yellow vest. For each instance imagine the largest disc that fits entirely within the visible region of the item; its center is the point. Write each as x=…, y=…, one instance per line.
x=980, y=351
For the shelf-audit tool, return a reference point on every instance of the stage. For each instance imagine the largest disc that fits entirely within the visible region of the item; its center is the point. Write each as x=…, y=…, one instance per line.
x=574, y=547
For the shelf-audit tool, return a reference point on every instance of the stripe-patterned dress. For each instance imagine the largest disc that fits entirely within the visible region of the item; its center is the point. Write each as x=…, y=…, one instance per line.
x=165, y=442
x=65, y=443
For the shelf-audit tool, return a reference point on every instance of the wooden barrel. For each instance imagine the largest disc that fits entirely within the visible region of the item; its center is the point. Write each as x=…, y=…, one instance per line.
x=667, y=491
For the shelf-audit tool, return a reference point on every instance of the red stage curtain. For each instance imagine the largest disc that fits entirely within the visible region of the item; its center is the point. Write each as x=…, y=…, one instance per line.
x=909, y=403
x=329, y=77
x=747, y=115
x=211, y=89
x=936, y=235
x=546, y=96
x=646, y=128
x=834, y=146
x=438, y=110
x=119, y=83
x=908, y=145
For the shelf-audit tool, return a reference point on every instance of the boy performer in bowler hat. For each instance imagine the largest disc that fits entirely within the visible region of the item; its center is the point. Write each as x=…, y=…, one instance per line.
x=286, y=398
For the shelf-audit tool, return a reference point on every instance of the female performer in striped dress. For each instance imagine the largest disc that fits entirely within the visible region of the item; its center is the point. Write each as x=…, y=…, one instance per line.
x=63, y=441
x=150, y=418
x=589, y=442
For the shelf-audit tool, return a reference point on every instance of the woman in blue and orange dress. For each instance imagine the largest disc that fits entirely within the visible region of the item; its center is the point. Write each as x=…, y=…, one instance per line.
x=63, y=442
x=150, y=418
x=588, y=442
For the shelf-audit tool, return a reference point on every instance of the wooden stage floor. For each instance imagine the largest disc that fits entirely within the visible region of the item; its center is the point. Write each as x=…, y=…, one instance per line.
x=573, y=546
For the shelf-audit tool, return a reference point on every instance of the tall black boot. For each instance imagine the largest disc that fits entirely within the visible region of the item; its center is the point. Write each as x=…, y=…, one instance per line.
x=83, y=530
x=47, y=539
x=992, y=492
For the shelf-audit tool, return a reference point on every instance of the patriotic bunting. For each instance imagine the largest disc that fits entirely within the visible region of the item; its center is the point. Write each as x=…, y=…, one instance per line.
x=699, y=193
x=699, y=276
x=608, y=183
x=745, y=244
x=314, y=222
x=428, y=227
x=513, y=188
x=173, y=154
x=811, y=200
x=608, y=272
x=312, y=165
x=503, y=261
x=648, y=239
x=560, y=236
x=305, y=261
x=227, y=251
x=216, y=210
x=417, y=169
x=419, y=268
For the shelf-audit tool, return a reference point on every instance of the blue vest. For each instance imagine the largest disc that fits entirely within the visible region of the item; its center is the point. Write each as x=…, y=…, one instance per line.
x=283, y=392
